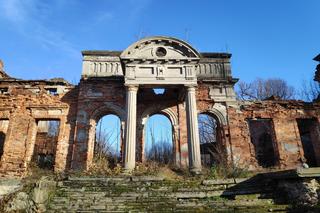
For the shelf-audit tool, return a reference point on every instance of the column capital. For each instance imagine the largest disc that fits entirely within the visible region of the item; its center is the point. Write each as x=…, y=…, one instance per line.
x=190, y=88
x=132, y=87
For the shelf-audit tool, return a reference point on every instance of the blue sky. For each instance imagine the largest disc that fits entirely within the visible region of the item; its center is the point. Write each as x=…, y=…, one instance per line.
x=268, y=38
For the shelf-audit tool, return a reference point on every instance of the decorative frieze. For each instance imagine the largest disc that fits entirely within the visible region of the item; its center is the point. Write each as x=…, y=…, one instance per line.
x=97, y=67
x=218, y=70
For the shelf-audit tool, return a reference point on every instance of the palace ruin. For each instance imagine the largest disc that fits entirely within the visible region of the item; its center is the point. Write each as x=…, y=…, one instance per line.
x=257, y=134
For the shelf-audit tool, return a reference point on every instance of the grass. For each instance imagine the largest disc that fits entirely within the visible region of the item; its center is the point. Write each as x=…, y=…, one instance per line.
x=224, y=172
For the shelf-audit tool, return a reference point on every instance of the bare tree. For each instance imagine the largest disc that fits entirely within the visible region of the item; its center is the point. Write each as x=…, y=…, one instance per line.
x=212, y=149
x=261, y=89
x=160, y=150
x=207, y=128
x=310, y=90
x=104, y=149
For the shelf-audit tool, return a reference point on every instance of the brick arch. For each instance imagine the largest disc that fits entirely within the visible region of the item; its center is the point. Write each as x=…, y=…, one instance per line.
x=169, y=113
x=106, y=109
x=217, y=114
x=221, y=128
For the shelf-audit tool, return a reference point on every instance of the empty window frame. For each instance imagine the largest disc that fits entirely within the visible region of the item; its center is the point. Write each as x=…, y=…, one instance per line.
x=263, y=139
x=46, y=143
x=310, y=139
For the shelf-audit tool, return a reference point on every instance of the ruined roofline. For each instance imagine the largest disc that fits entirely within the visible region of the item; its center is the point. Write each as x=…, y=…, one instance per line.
x=292, y=103
x=53, y=81
x=118, y=53
x=101, y=53
x=4, y=77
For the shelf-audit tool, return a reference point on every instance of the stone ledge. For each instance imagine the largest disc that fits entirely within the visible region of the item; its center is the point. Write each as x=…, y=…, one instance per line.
x=294, y=173
x=224, y=181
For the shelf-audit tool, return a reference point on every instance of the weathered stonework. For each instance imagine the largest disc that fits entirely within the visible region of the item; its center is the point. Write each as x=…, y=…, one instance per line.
x=121, y=83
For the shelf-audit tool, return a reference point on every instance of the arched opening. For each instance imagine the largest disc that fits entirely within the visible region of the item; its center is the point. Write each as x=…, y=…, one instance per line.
x=158, y=146
x=107, y=143
x=210, y=133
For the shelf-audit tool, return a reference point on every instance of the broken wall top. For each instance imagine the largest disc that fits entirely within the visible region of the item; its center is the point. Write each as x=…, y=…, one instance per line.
x=273, y=104
x=3, y=74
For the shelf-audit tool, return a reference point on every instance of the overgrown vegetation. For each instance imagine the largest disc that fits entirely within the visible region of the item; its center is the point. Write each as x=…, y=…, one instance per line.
x=223, y=172
x=160, y=152
x=158, y=149
x=214, y=157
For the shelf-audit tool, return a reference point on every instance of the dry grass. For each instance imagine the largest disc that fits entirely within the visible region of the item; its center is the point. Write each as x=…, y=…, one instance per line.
x=101, y=167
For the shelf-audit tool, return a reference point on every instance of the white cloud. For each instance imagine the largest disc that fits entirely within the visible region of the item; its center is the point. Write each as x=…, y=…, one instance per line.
x=17, y=11
x=103, y=17
x=27, y=17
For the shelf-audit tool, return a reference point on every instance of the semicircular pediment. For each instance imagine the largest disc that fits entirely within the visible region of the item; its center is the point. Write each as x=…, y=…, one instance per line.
x=160, y=48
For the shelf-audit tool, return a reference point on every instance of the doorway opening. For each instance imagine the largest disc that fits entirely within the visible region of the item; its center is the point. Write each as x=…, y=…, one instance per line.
x=210, y=134
x=46, y=143
x=263, y=139
x=310, y=138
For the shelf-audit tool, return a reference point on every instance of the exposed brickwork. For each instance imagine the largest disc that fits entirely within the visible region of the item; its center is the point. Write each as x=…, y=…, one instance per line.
x=79, y=108
x=22, y=105
x=287, y=137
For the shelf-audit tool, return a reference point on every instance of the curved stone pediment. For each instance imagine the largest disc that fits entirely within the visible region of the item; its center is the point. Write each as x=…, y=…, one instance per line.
x=161, y=48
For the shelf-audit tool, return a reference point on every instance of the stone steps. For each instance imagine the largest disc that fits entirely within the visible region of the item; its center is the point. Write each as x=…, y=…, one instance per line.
x=151, y=194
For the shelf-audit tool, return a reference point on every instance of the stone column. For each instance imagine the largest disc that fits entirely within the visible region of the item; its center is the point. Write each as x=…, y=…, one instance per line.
x=130, y=131
x=193, y=131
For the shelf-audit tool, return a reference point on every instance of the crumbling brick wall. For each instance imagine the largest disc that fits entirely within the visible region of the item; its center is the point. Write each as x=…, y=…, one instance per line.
x=22, y=104
x=96, y=99
x=284, y=115
x=79, y=108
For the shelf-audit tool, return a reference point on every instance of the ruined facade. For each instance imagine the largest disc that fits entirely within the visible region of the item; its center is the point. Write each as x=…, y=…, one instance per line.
x=52, y=120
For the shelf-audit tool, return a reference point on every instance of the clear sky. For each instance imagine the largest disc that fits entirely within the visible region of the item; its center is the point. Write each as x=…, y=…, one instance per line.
x=268, y=38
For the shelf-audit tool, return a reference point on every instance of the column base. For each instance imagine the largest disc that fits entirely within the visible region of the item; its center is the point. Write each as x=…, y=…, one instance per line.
x=195, y=171
x=127, y=171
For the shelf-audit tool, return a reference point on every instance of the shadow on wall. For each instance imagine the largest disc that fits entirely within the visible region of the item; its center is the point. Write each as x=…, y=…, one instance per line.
x=2, y=139
x=71, y=98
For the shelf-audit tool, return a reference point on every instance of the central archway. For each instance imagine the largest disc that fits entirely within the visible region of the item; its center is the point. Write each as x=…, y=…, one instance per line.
x=158, y=143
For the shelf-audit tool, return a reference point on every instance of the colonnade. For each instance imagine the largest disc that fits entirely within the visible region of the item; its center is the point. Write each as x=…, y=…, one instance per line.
x=192, y=129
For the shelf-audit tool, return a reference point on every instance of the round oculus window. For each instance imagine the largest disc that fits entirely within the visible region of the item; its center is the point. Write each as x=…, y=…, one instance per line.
x=161, y=52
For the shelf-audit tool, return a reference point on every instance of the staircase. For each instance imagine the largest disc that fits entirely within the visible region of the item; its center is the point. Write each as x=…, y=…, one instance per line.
x=153, y=194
